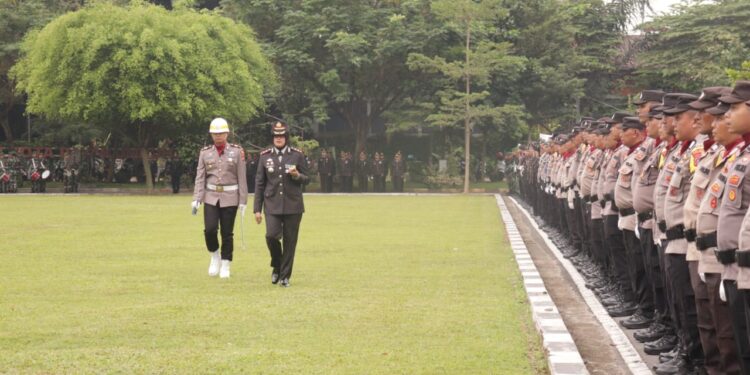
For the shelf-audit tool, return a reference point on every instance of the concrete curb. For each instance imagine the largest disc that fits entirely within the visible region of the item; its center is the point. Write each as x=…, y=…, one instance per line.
x=562, y=353
x=629, y=354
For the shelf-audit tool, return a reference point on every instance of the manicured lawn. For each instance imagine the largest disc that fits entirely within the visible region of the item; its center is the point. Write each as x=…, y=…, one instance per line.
x=382, y=285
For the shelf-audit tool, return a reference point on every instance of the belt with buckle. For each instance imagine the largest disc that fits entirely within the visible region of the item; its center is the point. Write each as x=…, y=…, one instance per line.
x=743, y=258
x=676, y=232
x=690, y=235
x=627, y=212
x=645, y=216
x=726, y=256
x=222, y=188
x=706, y=241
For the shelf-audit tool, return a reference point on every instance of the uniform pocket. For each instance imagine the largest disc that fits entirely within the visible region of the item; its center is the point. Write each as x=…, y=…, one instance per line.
x=626, y=173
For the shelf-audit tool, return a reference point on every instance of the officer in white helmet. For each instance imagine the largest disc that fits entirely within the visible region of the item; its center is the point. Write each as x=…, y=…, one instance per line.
x=221, y=184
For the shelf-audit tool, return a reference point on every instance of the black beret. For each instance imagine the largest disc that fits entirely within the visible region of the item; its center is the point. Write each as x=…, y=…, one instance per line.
x=719, y=109
x=669, y=101
x=683, y=104
x=740, y=93
x=649, y=96
x=632, y=122
x=617, y=117
x=710, y=97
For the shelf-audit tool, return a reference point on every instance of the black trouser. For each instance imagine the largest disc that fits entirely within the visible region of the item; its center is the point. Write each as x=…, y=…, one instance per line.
x=637, y=272
x=286, y=228
x=706, y=327
x=721, y=315
x=326, y=183
x=738, y=300
x=398, y=184
x=652, y=272
x=176, y=183
x=683, y=303
x=584, y=220
x=346, y=184
x=618, y=256
x=213, y=217
x=597, y=242
x=362, y=183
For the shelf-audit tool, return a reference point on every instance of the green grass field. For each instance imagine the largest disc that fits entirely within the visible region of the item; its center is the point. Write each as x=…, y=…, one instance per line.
x=382, y=285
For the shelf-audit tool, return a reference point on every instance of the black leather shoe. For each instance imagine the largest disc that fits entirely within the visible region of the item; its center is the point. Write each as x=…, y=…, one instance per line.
x=676, y=366
x=285, y=283
x=625, y=309
x=662, y=345
x=612, y=300
x=668, y=356
x=637, y=321
x=274, y=277
x=654, y=332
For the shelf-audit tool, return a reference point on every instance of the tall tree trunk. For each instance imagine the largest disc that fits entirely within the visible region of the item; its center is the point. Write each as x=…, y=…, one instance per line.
x=143, y=138
x=361, y=129
x=467, y=118
x=147, y=169
x=5, y=124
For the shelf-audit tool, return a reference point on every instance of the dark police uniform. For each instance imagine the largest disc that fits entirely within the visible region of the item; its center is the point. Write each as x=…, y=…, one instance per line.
x=326, y=169
x=363, y=173
x=279, y=195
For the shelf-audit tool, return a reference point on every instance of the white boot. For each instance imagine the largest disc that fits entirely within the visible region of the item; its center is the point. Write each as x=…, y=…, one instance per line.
x=213, y=268
x=224, y=274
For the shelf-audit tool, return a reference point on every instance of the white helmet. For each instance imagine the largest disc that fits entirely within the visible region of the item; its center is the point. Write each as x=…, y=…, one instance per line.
x=219, y=125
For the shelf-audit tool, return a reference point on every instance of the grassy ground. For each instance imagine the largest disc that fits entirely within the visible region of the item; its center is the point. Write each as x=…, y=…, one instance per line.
x=312, y=187
x=382, y=285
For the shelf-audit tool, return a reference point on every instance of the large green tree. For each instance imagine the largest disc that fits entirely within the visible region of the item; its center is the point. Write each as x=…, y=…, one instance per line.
x=340, y=58
x=464, y=99
x=694, y=46
x=143, y=72
x=18, y=17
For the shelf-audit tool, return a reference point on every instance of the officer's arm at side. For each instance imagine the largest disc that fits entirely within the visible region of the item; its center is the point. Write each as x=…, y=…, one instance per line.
x=242, y=178
x=200, y=179
x=260, y=187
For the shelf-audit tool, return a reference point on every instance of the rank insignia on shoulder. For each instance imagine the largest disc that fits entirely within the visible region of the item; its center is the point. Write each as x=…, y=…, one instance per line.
x=266, y=151
x=296, y=149
x=206, y=148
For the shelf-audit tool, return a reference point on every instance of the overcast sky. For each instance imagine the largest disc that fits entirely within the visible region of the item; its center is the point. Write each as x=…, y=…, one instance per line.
x=659, y=7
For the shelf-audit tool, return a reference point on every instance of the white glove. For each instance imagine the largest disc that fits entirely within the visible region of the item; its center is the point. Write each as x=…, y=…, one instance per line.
x=195, y=204
x=703, y=277
x=243, y=207
x=722, y=293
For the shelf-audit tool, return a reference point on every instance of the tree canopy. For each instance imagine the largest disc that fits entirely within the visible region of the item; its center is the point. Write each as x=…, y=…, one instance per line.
x=142, y=71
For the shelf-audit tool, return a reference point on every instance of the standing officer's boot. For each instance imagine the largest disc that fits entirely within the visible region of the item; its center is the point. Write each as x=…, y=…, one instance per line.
x=224, y=273
x=213, y=268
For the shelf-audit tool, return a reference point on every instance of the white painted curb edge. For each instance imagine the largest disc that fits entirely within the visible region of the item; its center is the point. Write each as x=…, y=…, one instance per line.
x=562, y=354
x=629, y=354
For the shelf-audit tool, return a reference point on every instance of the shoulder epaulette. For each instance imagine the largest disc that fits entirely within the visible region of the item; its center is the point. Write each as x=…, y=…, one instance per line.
x=235, y=145
x=296, y=149
x=266, y=151
x=206, y=148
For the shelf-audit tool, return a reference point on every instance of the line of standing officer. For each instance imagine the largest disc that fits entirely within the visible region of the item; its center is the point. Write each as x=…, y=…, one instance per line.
x=653, y=210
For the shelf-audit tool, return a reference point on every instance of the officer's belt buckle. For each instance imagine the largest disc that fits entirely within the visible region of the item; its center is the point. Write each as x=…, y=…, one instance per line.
x=219, y=189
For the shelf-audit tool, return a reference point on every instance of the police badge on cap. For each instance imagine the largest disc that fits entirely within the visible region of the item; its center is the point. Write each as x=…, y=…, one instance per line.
x=280, y=129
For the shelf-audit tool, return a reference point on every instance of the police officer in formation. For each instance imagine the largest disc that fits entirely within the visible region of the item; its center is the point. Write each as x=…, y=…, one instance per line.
x=220, y=185
x=346, y=171
x=363, y=172
x=282, y=173
x=326, y=171
x=652, y=208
